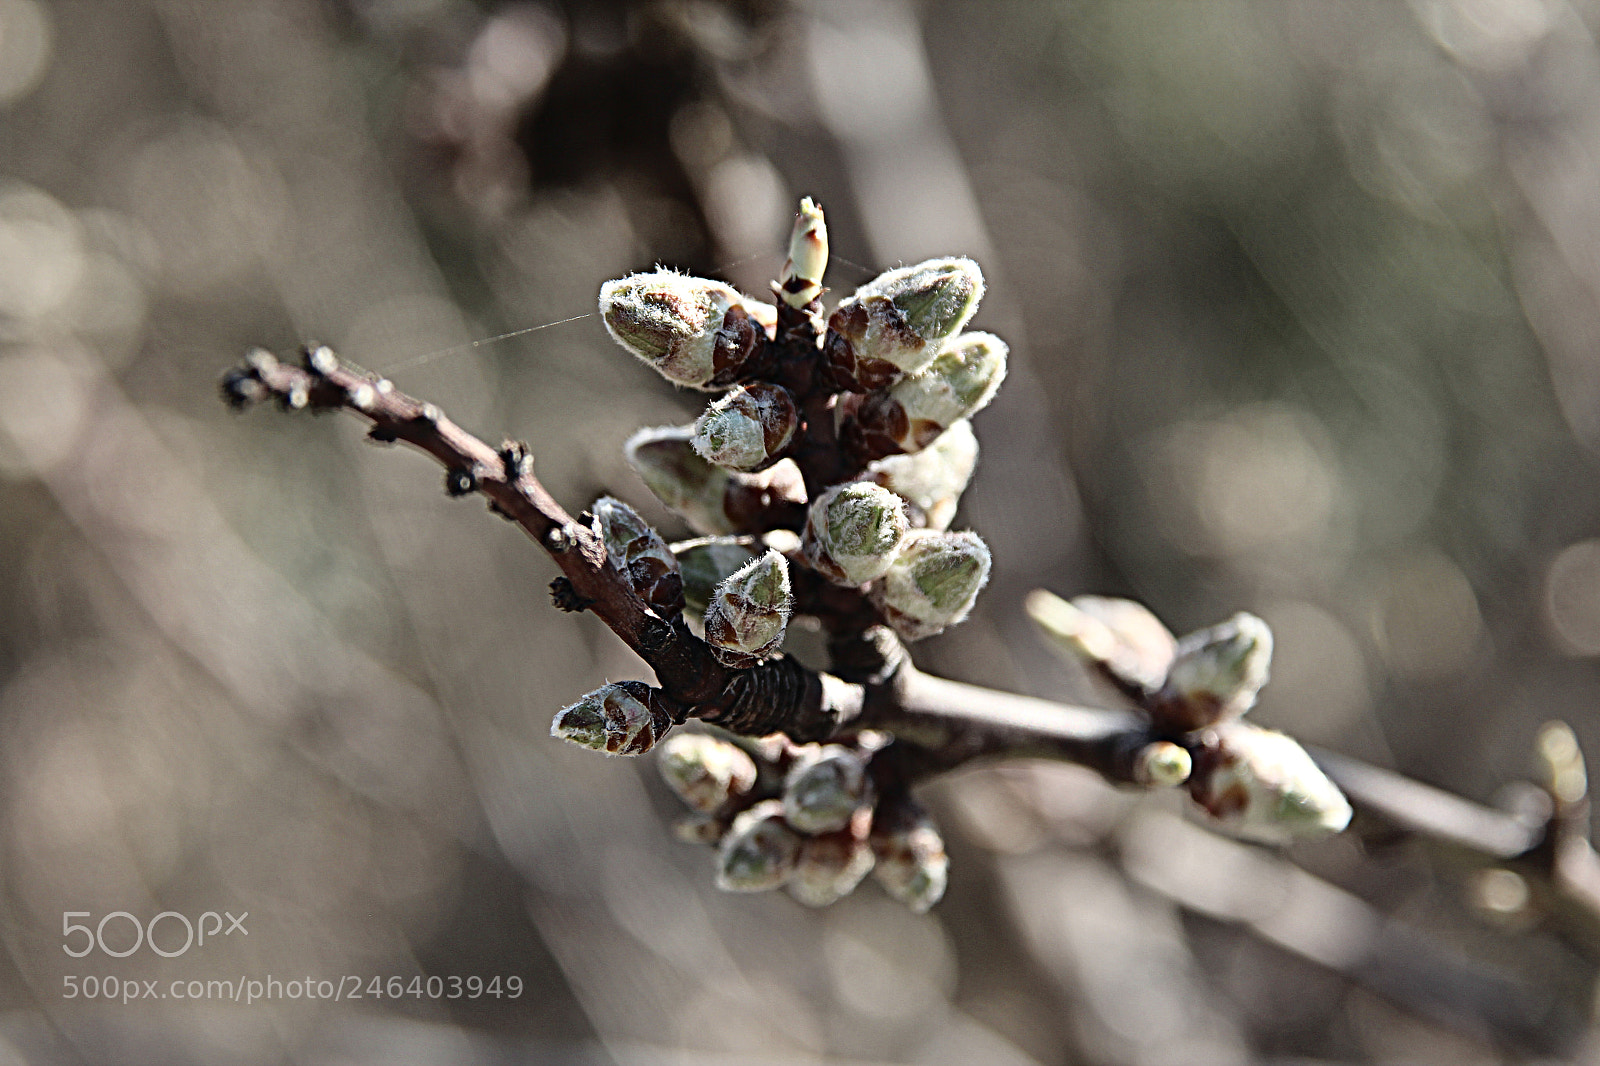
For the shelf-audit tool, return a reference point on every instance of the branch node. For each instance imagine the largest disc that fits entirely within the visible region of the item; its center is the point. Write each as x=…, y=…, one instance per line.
x=657, y=636
x=517, y=458
x=459, y=481
x=297, y=396
x=382, y=434
x=429, y=413
x=566, y=597
x=320, y=360
x=558, y=540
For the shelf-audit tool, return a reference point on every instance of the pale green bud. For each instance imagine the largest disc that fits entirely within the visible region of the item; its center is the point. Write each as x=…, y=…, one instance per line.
x=824, y=788
x=693, y=331
x=1262, y=785
x=637, y=550
x=830, y=867
x=801, y=280
x=704, y=563
x=911, y=862
x=853, y=532
x=1118, y=636
x=931, y=481
x=913, y=412
x=745, y=619
x=705, y=771
x=746, y=427
x=758, y=852
x=933, y=582
x=622, y=718
x=666, y=461
x=896, y=323
x=1162, y=764
x=1216, y=673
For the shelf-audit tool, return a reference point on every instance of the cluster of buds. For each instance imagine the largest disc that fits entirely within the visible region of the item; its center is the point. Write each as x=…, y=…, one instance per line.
x=1253, y=781
x=806, y=818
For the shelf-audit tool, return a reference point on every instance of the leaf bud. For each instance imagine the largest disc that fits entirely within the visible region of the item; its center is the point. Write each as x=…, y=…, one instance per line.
x=748, y=611
x=746, y=427
x=759, y=850
x=1215, y=674
x=667, y=463
x=1162, y=764
x=897, y=322
x=1263, y=786
x=914, y=411
x=704, y=563
x=911, y=862
x=693, y=331
x=622, y=718
x=801, y=280
x=830, y=866
x=637, y=550
x=824, y=788
x=705, y=771
x=933, y=582
x=1118, y=636
x=853, y=532
x=931, y=481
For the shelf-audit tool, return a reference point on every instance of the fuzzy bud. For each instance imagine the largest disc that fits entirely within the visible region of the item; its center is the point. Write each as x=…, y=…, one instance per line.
x=933, y=582
x=1118, y=636
x=913, y=412
x=748, y=611
x=747, y=427
x=667, y=463
x=1162, y=764
x=911, y=862
x=1216, y=674
x=825, y=788
x=801, y=280
x=931, y=481
x=758, y=852
x=1263, y=786
x=704, y=563
x=704, y=771
x=693, y=331
x=622, y=718
x=636, y=549
x=831, y=866
x=896, y=323
x=853, y=532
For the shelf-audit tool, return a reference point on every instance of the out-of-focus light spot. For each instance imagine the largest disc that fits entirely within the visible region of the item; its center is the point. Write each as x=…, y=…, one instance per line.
x=41, y=253
x=1572, y=598
x=1319, y=676
x=25, y=39
x=887, y=963
x=868, y=70
x=747, y=205
x=514, y=55
x=1500, y=892
x=701, y=134
x=1425, y=619
x=1488, y=34
x=44, y=396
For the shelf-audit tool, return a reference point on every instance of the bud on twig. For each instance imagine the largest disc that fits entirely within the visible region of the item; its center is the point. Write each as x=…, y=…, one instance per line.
x=824, y=788
x=1162, y=764
x=896, y=323
x=912, y=865
x=758, y=852
x=933, y=582
x=622, y=718
x=667, y=463
x=1118, y=636
x=931, y=481
x=705, y=771
x=693, y=331
x=636, y=549
x=801, y=280
x=747, y=427
x=853, y=532
x=1262, y=785
x=1216, y=674
x=748, y=611
x=704, y=563
x=831, y=866
x=911, y=413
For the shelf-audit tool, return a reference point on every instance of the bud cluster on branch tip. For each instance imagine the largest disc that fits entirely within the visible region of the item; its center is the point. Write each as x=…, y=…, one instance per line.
x=825, y=788
x=1262, y=785
x=747, y=427
x=622, y=718
x=1118, y=636
x=801, y=280
x=913, y=412
x=932, y=582
x=693, y=331
x=745, y=620
x=911, y=862
x=932, y=480
x=853, y=532
x=704, y=563
x=896, y=323
x=759, y=851
x=637, y=550
x=704, y=771
x=1216, y=673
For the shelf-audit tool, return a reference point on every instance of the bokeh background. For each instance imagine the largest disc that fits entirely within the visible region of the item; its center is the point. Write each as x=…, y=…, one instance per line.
x=1304, y=306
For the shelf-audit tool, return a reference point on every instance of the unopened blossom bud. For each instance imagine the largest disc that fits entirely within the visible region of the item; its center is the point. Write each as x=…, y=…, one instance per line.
x=622, y=718
x=801, y=280
x=759, y=850
x=896, y=323
x=704, y=563
x=1262, y=785
x=1161, y=764
x=913, y=412
x=636, y=549
x=1118, y=636
x=746, y=427
x=700, y=828
x=705, y=771
x=1216, y=674
x=931, y=481
x=693, y=331
x=911, y=862
x=830, y=867
x=748, y=611
x=933, y=582
x=853, y=532
x=669, y=466
x=824, y=788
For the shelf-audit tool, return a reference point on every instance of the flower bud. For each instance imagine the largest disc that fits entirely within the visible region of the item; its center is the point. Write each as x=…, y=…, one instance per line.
x=747, y=427
x=933, y=582
x=1162, y=764
x=896, y=323
x=704, y=563
x=1262, y=785
x=801, y=280
x=748, y=611
x=910, y=414
x=758, y=852
x=1118, y=636
x=693, y=331
x=911, y=862
x=636, y=549
x=1216, y=674
x=667, y=463
x=853, y=532
x=824, y=788
x=704, y=771
x=931, y=481
x=830, y=867
x=699, y=828
x=622, y=718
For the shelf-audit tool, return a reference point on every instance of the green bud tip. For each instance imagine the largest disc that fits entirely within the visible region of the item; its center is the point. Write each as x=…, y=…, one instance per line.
x=758, y=852
x=749, y=610
x=1162, y=764
x=691, y=330
x=932, y=480
x=619, y=719
x=896, y=323
x=667, y=463
x=853, y=532
x=824, y=788
x=746, y=427
x=830, y=867
x=1264, y=786
x=1218, y=672
x=704, y=771
x=959, y=382
x=933, y=582
x=801, y=280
